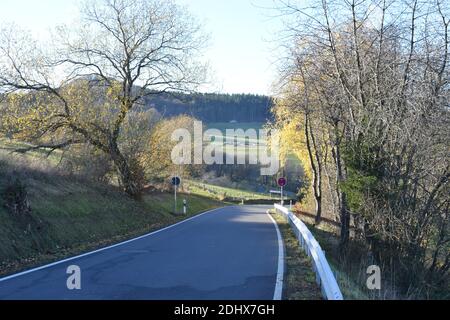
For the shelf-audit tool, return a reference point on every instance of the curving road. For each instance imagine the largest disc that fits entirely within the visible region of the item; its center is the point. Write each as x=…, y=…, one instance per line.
x=228, y=254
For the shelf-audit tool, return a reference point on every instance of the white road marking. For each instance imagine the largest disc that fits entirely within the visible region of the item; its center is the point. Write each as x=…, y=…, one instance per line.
x=278, y=294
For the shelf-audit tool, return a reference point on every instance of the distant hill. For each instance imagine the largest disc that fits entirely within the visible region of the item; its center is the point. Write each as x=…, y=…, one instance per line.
x=212, y=107
x=208, y=107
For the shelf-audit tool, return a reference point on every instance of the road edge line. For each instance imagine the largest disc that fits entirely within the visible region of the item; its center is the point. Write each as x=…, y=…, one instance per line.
x=106, y=248
x=278, y=294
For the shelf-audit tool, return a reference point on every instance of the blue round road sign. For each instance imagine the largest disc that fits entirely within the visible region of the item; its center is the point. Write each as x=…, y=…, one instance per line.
x=176, y=181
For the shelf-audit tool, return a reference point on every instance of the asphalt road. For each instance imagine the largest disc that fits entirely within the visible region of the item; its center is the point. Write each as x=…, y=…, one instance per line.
x=227, y=254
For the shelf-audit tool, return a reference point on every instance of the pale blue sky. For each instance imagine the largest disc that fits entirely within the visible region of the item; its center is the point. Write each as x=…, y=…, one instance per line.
x=241, y=51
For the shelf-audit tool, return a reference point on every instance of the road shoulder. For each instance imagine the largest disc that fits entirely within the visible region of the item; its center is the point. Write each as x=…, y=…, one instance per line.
x=299, y=279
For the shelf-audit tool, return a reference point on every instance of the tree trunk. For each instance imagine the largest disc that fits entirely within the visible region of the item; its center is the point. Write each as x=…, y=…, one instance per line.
x=344, y=213
x=130, y=186
x=127, y=178
x=345, y=221
x=316, y=168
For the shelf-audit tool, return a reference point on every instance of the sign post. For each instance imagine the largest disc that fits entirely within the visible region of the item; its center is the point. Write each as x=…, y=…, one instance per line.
x=282, y=183
x=176, y=181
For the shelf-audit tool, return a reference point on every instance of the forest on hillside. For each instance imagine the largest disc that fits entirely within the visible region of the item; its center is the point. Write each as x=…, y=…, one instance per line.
x=213, y=107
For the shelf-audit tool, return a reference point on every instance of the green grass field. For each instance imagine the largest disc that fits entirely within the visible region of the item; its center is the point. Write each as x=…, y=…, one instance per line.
x=209, y=190
x=239, y=125
x=218, y=192
x=242, y=145
x=223, y=126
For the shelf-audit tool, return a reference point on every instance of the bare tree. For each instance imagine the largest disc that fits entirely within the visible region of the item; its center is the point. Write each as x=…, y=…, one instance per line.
x=376, y=76
x=128, y=48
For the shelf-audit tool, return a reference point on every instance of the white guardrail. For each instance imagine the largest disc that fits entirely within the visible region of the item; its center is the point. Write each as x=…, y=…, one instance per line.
x=324, y=276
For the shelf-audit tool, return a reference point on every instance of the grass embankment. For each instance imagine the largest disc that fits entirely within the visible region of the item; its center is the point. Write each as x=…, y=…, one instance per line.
x=299, y=278
x=69, y=216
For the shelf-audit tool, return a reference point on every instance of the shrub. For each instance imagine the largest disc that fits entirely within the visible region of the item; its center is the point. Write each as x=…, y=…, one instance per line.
x=15, y=196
